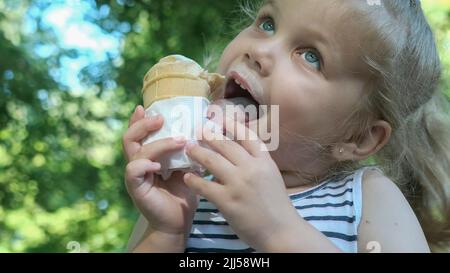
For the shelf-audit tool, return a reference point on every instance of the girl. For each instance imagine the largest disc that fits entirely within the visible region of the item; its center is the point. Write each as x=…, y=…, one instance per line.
x=352, y=79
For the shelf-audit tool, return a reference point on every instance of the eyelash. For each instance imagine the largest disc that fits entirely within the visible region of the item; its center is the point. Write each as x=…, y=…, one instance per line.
x=264, y=15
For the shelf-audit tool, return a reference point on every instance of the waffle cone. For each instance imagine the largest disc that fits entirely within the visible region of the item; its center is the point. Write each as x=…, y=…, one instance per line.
x=176, y=75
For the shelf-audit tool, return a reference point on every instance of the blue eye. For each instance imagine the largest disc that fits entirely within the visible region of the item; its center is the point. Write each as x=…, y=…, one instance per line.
x=267, y=25
x=312, y=58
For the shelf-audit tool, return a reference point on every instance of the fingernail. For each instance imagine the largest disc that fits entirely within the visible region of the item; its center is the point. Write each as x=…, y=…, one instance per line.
x=135, y=109
x=180, y=139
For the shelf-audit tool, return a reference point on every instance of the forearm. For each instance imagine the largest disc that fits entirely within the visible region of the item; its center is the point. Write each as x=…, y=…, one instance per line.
x=299, y=237
x=159, y=242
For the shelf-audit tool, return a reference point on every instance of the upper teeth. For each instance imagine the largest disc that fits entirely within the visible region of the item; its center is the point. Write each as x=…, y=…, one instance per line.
x=240, y=84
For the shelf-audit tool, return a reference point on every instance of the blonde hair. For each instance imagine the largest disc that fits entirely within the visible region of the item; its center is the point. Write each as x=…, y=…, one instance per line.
x=405, y=69
x=403, y=90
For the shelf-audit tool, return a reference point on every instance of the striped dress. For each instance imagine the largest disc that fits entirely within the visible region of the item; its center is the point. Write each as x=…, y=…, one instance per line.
x=333, y=207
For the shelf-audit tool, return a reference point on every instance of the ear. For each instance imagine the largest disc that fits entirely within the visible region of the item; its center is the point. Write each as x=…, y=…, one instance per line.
x=374, y=140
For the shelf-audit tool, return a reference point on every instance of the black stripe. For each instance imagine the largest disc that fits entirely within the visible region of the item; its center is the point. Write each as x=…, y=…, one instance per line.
x=330, y=218
x=203, y=200
x=329, y=194
x=207, y=210
x=214, y=236
x=308, y=192
x=206, y=222
x=218, y=250
x=345, y=237
x=346, y=203
x=337, y=187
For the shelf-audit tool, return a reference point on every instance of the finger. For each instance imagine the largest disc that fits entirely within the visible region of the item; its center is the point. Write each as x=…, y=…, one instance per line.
x=229, y=149
x=246, y=137
x=136, y=171
x=137, y=132
x=142, y=128
x=139, y=113
x=207, y=189
x=219, y=166
x=126, y=147
x=153, y=151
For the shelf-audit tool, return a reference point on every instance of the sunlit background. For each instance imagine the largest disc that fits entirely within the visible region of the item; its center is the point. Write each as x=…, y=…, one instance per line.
x=70, y=75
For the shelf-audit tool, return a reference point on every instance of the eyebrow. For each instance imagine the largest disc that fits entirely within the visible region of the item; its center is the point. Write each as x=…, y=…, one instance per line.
x=273, y=4
x=322, y=44
x=321, y=41
x=320, y=35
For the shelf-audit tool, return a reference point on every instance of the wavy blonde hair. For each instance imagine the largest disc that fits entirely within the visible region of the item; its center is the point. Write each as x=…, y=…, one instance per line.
x=406, y=69
x=404, y=64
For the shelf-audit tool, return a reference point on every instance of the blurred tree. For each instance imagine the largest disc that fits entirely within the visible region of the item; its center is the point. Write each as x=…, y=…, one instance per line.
x=61, y=165
x=157, y=28
x=438, y=14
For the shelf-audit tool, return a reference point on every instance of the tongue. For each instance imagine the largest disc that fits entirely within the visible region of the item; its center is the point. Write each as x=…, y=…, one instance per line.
x=237, y=112
x=241, y=101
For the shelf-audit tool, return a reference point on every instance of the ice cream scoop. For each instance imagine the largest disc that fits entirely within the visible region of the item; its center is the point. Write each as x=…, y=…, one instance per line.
x=176, y=75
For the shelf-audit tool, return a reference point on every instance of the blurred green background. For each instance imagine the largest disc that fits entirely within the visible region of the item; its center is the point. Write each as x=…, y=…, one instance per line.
x=70, y=76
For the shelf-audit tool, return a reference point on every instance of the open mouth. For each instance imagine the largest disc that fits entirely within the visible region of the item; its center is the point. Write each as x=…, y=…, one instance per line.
x=237, y=93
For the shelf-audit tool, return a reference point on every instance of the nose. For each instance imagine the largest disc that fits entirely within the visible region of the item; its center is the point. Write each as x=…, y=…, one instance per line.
x=260, y=57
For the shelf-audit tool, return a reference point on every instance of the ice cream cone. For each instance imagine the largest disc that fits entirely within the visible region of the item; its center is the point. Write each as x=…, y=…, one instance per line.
x=177, y=75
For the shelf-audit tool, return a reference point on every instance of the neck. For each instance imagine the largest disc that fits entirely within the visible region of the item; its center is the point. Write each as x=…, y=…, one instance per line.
x=301, y=164
x=296, y=182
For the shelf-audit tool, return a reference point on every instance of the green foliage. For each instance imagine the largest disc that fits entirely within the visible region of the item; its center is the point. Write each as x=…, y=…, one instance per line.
x=61, y=164
x=438, y=14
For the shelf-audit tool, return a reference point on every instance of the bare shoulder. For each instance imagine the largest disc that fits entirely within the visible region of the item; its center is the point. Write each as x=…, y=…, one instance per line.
x=388, y=221
x=375, y=182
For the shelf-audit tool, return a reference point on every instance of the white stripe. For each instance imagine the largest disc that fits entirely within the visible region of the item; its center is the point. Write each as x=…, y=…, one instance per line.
x=334, y=226
x=348, y=196
x=349, y=247
x=209, y=229
x=209, y=216
x=344, y=211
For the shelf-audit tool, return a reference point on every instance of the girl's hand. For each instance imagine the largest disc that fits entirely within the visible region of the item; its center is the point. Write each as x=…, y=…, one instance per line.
x=250, y=190
x=168, y=206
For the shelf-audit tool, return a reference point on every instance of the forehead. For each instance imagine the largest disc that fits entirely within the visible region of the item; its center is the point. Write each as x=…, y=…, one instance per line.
x=337, y=24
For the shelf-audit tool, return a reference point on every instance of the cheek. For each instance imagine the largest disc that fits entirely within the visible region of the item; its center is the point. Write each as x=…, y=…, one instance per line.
x=305, y=112
x=228, y=55
x=233, y=51
x=296, y=109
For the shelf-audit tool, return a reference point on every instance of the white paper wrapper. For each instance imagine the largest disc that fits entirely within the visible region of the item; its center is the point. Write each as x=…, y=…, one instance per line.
x=183, y=116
